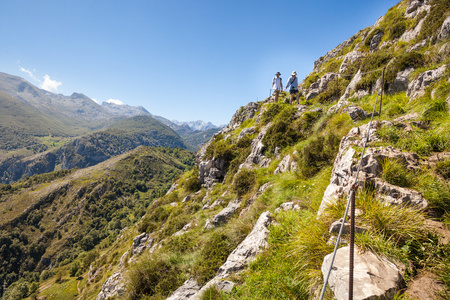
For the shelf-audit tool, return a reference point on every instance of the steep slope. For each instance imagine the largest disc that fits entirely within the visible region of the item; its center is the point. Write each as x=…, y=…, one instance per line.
x=48, y=220
x=93, y=148
x=257, y=218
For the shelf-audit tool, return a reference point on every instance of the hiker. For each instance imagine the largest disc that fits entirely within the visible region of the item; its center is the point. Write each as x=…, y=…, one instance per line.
x=293, y=87
x=277, y=85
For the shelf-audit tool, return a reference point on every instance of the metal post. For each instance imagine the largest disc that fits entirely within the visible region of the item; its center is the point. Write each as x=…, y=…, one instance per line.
x=382, y=90
x=352, y=242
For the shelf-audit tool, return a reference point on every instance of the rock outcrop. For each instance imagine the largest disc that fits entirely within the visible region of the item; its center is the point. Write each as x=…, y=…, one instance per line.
x=113, y=286
x=256, y=155
x=400, y=82
x=224, y=215
x=375, y=277
x=417, y=87
x=254, y=243
x=319, y=86
x=445, y=30
x=287, y=164
x=345, y=167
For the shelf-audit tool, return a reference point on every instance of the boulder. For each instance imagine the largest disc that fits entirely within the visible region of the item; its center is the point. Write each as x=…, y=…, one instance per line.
x=113, y=287
x=224, y=215
x=445, y=30
x=189, y=288
x=417, y=87
x=400, y=82
x=375, y=277
x=357, y=113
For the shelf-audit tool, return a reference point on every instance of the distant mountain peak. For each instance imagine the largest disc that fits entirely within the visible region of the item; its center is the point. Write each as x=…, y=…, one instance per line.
x=196, y=125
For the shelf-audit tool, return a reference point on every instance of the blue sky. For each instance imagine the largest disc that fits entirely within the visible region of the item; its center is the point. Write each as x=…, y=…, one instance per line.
x=183, y=60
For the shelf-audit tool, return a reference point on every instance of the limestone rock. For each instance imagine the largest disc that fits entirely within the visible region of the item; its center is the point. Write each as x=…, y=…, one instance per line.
x=140, y=243
x=350, y=58
x=417, y=87
x=186, y=199
x=225, y=286
x=245, y=132
x=224, y=214
x=320, y=85
x=183, y=230
x=375, y=277
x=418, y=45
x=351, y=87
x=335, y=227
x=257, y=149
x=286, y=165
x=242, y=114
x=345, y=167
x=288, y=206
x=376, y=39
x=401, y=81
x=416, y=7
x=411, y=34
x=254, y=243
x=211, y=171
x=445, y=30
x=334, y=52
x=113, y=286
x=189, y=288
x=396, y=195
x=356, y=113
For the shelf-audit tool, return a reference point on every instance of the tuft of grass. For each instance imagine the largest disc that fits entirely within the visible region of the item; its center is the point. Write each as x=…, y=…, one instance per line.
x=152, y=276
x=443, y=168
x=394, y=172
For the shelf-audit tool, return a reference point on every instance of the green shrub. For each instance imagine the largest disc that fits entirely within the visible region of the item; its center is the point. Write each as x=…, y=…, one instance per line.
x=192, y=183
x=317, y=153
x=213, y=254
x=244, y=181
x=283, y=131
x=434, y=19
x=272, y=110
x=443, y=168
x=395, y=172
x=153, y=276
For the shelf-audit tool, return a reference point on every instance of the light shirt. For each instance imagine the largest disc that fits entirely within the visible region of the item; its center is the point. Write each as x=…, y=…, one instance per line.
x=292, y=83
x=276, y=84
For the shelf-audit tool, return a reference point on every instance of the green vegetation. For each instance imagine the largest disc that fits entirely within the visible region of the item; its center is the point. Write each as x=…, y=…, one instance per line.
x=111, y=199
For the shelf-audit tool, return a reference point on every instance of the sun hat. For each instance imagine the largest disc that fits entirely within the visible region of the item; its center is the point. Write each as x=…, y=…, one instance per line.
x=294, y=73
x=277, y=73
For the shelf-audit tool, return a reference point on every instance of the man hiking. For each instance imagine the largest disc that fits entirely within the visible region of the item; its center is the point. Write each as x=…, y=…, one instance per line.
x=292, y=84
x=277, y=85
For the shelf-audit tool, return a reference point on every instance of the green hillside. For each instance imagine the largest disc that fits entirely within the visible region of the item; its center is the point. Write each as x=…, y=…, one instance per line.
x=54, y=218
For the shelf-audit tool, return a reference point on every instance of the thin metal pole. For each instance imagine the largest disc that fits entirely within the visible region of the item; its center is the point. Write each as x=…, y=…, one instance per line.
x=352, y=245
x=382, y=90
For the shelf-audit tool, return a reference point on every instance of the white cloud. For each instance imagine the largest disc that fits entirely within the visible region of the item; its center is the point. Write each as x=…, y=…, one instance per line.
x=50, y=85
x=29, y=73
x=115, y=101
